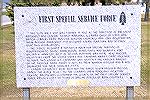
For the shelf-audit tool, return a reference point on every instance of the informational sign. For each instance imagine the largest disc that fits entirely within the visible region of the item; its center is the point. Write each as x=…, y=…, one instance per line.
x=59, y=45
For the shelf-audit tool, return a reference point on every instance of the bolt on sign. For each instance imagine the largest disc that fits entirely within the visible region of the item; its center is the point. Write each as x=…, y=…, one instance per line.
x=63, y=46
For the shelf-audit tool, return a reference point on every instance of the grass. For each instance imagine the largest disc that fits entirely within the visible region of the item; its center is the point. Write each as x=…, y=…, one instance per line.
x=7, y=65
x=7, y=62
x=145, y=48
x=3, y=13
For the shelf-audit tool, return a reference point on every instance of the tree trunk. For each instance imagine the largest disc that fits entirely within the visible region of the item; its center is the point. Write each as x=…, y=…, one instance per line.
x=146, y=18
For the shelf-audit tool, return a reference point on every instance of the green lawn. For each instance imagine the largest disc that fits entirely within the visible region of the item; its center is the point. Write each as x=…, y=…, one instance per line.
x=7, y=65
x=3, y=13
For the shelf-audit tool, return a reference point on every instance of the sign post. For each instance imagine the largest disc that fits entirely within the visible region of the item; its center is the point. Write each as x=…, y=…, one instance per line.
x=26, y=93
x=130, y=92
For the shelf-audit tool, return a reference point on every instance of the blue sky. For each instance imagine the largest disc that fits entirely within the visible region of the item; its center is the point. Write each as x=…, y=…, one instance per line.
x=4, y=1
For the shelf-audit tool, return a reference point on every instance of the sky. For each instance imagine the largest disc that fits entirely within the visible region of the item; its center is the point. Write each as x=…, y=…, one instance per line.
x=4, y=1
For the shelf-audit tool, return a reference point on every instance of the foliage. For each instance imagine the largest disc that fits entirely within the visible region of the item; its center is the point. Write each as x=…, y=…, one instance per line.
x=55, y=3
x=10, y=7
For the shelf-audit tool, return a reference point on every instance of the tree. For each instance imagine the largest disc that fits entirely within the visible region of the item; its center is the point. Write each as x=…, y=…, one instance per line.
x=146, y=18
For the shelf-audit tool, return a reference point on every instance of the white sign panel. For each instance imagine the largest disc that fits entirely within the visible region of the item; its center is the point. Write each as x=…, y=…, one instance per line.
x=59, y=45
